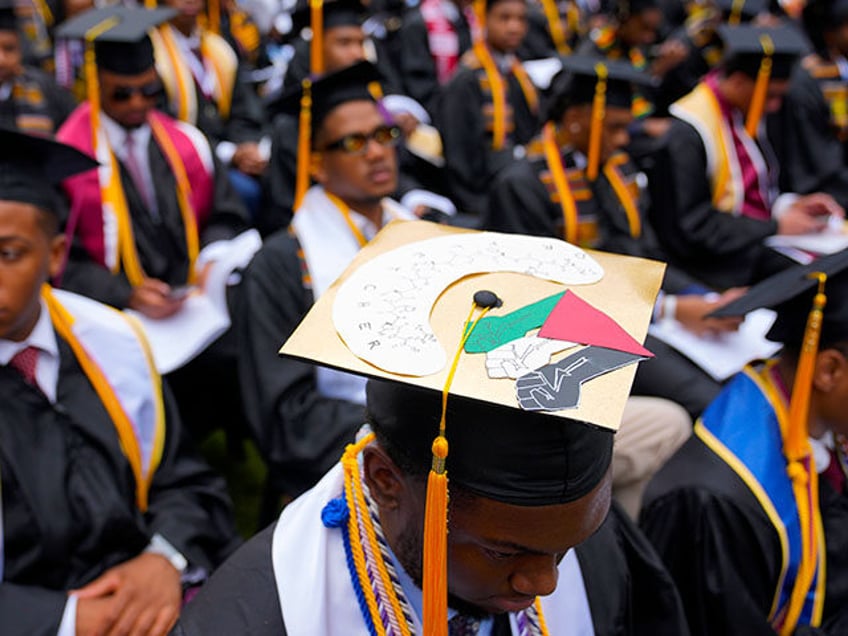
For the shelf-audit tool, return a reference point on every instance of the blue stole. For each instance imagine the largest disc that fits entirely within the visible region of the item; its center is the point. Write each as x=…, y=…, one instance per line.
x=743, y=428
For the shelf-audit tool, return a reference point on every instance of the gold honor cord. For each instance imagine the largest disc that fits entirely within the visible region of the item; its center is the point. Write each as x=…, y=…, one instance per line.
x=735, y=16
x=596, y=129
x=566, y=198
x=316, y=46
x=758, y=100
x=435, y=583
x=798, y=451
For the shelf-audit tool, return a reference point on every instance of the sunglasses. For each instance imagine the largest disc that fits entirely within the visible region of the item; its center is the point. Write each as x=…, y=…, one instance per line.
x=357, y=143
x=148, y=91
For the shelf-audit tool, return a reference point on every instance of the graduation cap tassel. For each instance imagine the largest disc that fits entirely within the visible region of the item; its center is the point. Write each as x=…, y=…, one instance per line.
x=800, y=463
x=435, y=579
x=92, y=87
x=213, y=16
x=316, y=45
x=596, y=129
x=735, y=16
x=758, y=100
x=304, y=142
x=555, y=26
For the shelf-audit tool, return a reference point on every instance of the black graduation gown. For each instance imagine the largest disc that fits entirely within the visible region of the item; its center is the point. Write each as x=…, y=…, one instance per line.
x=722, y=250
x=160, y=243
x=520, y=202
x=300, y=433
x=629, y=591
x=724, y=553
x=69, y=508
x=811, y=156
x=416, y=66
x=37, y=104
x=470, y=161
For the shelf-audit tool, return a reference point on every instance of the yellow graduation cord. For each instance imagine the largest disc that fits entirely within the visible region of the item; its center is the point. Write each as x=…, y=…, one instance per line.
x=344, y=209
x=805, y=483
x=555, y=26
x=566, y=198
x=631, y=209
x=758, y=99
x=63, y=323
x=596, y=128
x=735, y=16
x=496, y=82
x=435, y=578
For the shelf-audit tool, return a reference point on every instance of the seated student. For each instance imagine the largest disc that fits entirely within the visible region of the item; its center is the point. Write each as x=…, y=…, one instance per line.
x=302, y=419
x=490, y=546
x=490, y=107
x=205, y=86
x=30, y=100
x=810, y=132
x=593, y=197
x=105, y=507
x=750, y=516
x=719, y=200
x=138, y=226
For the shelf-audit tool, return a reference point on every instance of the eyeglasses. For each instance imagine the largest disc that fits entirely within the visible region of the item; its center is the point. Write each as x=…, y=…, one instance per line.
x=148, y=91
x=357, y=143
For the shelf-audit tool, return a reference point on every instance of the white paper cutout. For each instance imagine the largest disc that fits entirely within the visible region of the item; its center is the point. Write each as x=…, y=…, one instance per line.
x=523, y=355
x=382, y=311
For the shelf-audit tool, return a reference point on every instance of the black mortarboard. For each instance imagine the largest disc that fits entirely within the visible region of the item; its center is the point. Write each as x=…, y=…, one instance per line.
x=746, y=46
x=577, y=81
x=30, y=165
x=336, y=13
x=121, y=43
x=331, y=90
x=626, y=8
x=790, y=293
x=8, y=17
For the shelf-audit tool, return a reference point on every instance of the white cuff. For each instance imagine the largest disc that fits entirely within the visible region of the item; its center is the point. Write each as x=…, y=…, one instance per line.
x=414, y=198
x=68, y=626
x=782, y=204
x=402, y=104
x=225, y=151
x=159, y=545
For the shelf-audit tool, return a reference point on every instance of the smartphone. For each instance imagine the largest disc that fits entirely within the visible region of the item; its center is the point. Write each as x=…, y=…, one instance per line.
x=180, y=292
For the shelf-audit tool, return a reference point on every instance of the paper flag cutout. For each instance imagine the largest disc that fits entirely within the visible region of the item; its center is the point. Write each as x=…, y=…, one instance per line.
x=576, y=320
x=493, y=331
x=557, y=386
x=523, y=355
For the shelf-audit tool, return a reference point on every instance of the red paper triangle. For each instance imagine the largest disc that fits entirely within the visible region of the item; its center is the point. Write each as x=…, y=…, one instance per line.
x=575, y=320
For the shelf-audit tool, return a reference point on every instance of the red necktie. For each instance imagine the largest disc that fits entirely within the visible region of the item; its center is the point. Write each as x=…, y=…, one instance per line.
x=833, y=473
x=25, y=362
x=134, y=168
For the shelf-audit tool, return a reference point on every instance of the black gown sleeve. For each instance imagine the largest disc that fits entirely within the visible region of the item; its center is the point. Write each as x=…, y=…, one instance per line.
x=519, y=203
x=229, y=216
x=241, y=598
x=300, y=433
x=189, y=505
x=278, y=182
x=416, y=65
x=716, y=542
x=719, y=248
x=30, y=611
x=811, y=157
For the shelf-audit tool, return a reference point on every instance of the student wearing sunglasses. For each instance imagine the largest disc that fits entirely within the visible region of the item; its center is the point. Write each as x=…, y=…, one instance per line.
x=301, y=416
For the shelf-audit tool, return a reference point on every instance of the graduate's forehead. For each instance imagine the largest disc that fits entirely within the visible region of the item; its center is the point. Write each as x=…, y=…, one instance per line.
x=360, y=115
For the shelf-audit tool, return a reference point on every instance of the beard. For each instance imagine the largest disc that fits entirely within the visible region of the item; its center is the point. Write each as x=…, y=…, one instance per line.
x=410, y=553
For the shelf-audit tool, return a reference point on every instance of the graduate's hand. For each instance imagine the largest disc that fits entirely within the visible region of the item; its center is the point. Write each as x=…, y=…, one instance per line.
x=407, y=123
x=693, y=309
x=249, y=159
x=140, y=597
x=154, y=299
x=671, y=53
x=809, y=214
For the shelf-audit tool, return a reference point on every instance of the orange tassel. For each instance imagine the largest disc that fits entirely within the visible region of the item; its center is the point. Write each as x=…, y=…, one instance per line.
x=758, y=100
x=304, y=142
x=316, y=46
x=435, y=583
x=213, y=12
x=596, y=129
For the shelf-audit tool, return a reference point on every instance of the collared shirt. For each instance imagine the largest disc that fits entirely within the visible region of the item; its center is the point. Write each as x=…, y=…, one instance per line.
x=117, y=136
x=44, y=339
x=190, y=48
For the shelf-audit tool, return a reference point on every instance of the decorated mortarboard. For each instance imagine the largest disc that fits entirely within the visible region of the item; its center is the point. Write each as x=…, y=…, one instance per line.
x=764, y=54
x=30, y=165
x=514, y=330
x=119, y=34
x=8, y=16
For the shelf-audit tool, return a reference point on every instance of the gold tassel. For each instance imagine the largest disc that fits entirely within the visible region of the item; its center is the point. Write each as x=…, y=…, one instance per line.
x=596, y=130
x=92, y=86
x=304, y=142
x=735, y=16
x=213, y=19
x=316, y=46
x=758, y=100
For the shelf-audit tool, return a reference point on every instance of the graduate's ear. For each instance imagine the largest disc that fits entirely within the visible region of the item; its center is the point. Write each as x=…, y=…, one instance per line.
x=831, y=370
x=316, y=167
x=58, y=246
x=385, y=479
